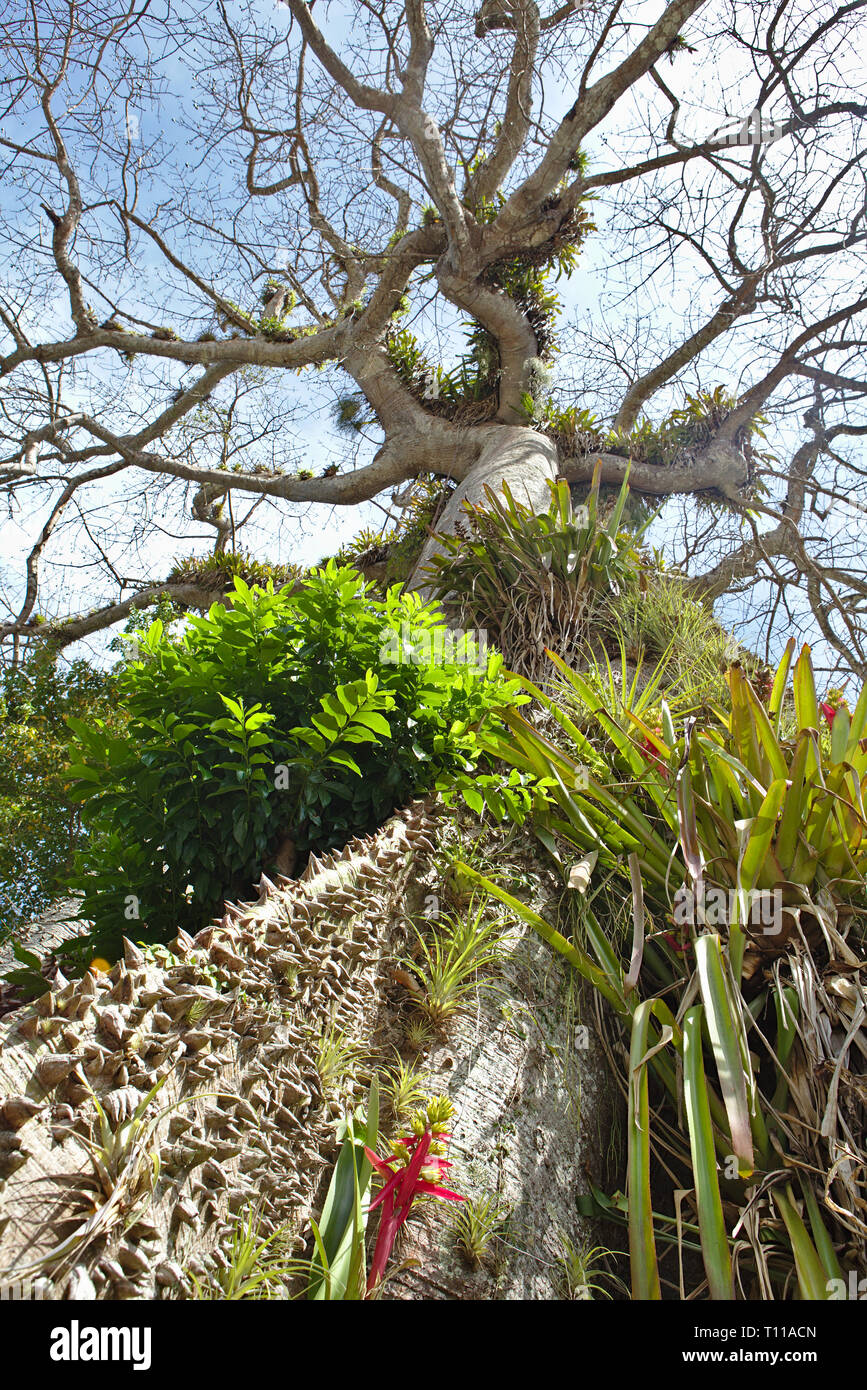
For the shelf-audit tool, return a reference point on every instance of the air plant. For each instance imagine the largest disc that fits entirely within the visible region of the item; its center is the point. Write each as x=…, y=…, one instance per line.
x=581, y=1269
x=126, y=1168
x=450, y=958
x=747, y=809
x=255, y=1266
x=338, y=1059
x=476, y=1226
x=403, y=1087
x=418, y=1034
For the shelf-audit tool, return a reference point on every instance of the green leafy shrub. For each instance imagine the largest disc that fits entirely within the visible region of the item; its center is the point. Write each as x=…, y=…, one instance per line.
x=307, y=715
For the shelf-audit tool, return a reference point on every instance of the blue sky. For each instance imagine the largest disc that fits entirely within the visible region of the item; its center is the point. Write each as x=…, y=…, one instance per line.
x=596, y=297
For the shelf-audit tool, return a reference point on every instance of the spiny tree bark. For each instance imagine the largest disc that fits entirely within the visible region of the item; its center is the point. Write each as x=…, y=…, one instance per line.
x=244, y=1122
x=201, y=207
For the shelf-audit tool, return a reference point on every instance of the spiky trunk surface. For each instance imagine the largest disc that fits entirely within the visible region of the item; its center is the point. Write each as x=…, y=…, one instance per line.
x=249, y=1123
x=242, y=1117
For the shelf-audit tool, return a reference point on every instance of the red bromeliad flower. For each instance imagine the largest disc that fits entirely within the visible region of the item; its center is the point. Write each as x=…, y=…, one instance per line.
x=653, y=753
x=680, y=946
x=415, y=1169
x=834, y=700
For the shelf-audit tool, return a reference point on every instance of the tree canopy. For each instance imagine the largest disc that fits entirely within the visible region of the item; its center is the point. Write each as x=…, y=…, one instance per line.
x=202, y=208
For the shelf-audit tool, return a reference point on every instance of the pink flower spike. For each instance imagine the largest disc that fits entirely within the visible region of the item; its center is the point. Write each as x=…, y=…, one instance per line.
x=388, y=1191
x=410, y=1174
x=434, y=1191
x=405, y=1183
x=379, y=1164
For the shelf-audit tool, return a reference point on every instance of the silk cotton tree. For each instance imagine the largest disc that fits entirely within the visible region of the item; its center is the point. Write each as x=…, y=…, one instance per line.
x=200, y=206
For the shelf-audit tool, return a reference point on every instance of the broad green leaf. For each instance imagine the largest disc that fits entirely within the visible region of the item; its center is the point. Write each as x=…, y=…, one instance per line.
x=570, y=951
x=234, y=707
x=839, y=736
x=795, y=804
x=812, y=1279
x=766, y=734
x=761, y=835
x=823, y=1242
x=778, y=689
x=371, y=720
x=344, y=760
x=804, y=684
x=84, y=773
x=327, y=724
x=858, y=726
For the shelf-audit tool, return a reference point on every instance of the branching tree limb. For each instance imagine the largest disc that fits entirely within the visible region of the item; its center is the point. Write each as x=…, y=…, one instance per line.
x=217, y=224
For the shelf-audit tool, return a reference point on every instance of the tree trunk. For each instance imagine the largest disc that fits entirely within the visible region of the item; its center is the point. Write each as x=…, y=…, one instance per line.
x=230, y=1031
x=514, y=454
x=246, y=1117
x=536, y=1106
x=252, y=1121
x=536, y=1112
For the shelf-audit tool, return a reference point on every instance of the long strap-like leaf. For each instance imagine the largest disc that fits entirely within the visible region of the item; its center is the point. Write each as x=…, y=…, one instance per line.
x=642, y=1245
x=724, y=1030
x=714, y=1239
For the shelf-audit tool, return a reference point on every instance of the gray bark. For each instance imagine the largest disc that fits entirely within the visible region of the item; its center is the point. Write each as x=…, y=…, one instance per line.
x=513, y=454
x=536, y=1118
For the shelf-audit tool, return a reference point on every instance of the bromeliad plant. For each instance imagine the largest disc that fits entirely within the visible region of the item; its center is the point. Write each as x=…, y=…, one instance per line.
x=531, y=580
x=752, y=1034
x=338, y=1269
x=746, y=808
x=413, y=1170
